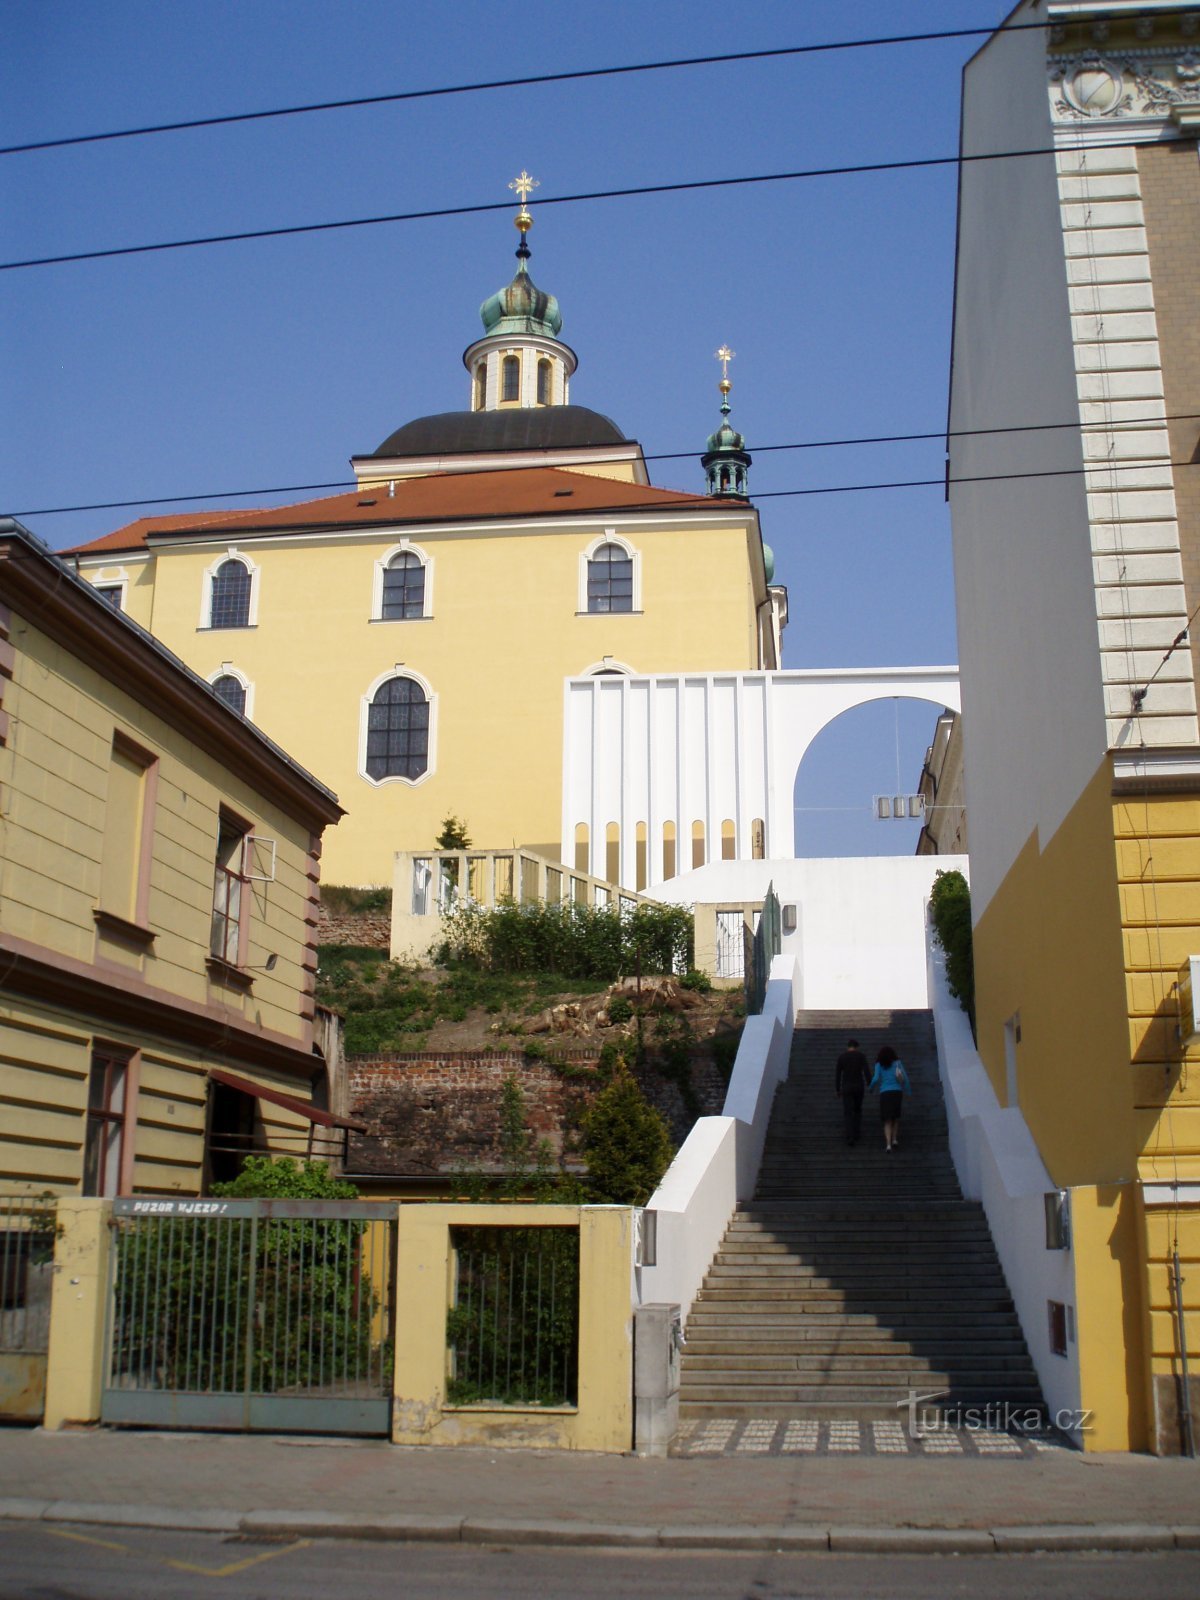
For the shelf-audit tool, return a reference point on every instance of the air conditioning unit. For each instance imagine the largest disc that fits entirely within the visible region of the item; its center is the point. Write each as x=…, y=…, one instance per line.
x=1187, y=987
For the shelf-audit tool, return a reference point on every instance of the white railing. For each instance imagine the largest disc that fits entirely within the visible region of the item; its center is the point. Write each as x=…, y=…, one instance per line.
x=998, y=1163
x=717, y=1165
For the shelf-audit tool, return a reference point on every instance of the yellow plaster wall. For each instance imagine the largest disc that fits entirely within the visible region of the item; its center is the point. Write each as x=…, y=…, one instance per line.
x=1049, y=947
x=603, y=1419
x=77, y=1308
x=1110, y=1322
x=503, y=636
x=55, y=774
x=45, y=1055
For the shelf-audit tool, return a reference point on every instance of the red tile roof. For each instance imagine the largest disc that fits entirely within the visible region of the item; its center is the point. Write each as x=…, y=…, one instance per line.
x=437, y=497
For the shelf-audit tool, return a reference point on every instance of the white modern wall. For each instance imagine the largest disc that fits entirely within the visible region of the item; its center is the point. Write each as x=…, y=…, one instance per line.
x=859, y=941
x=707, y=748
x=998, y=1164
x=718, y=1163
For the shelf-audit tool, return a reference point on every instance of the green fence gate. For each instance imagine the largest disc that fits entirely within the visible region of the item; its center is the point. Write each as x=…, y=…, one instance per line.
x=251, y=1314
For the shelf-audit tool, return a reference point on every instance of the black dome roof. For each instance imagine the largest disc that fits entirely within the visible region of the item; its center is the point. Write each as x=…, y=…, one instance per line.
x=521, y=428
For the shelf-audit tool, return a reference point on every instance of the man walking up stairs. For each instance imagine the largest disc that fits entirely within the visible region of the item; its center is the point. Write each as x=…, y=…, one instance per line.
x=858, y=1283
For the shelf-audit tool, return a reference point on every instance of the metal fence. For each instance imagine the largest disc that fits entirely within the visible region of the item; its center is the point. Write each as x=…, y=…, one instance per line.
x=761, y=950
x=251, y=1314
x=513, y=1328
x=28, y=1224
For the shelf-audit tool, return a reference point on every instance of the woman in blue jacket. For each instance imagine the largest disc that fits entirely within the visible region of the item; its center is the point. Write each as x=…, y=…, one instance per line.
x=891, y=1080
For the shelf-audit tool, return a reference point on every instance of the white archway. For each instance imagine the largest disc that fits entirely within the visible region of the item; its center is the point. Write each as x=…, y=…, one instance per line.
x=709, y=748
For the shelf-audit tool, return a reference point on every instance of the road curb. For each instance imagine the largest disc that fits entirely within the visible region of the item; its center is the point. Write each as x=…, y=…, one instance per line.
x=404, y=1527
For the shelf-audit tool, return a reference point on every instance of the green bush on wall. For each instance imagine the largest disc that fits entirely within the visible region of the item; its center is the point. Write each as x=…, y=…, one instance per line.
x=950, y=909
x=604, y=942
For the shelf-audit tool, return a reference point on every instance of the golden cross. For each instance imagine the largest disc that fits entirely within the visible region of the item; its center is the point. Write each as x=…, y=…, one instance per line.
x=523, y=185
x=724, y=355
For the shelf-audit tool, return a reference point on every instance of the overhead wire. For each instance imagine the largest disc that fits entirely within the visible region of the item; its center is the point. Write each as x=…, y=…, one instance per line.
x=632, y=191
x=491, y=84
x=348, y=485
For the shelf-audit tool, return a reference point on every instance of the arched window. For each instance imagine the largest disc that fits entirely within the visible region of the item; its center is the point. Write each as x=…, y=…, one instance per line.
x=668, y=849
x=232, y=690
x=697, y=844
x=583, y=859
x=230, y=607
x=640, y=847
x=728, y=841
x=403, y=587
x=544, y=375
x=758, y=839
x=398, y=731
x=480, y=385
x=510, y=378
x=610, y=580
x=612, y=852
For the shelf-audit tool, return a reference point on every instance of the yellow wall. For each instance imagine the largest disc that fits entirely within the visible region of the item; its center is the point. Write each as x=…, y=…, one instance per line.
x=503, y=636
x=1048, y=946
x=1166, y=1229
x=45, y=1055
x=1109, y=1315
x=603, y=1419
x=55, y=774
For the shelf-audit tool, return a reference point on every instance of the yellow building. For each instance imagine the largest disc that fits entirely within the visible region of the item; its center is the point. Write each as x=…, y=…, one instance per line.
x=410, y=640
x=1076, y=519
x=158, y=887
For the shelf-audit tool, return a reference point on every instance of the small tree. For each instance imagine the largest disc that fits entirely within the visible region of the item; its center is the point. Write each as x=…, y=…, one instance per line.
x=626, y=1143
x=454, y=835
x=282, y=1178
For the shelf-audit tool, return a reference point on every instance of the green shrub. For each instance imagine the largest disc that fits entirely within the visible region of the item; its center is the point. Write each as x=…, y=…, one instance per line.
x=950, y=910
x=693, y=978
x=626, y=1143
x=343, y=900
x=619, y=1010
x=580, y=942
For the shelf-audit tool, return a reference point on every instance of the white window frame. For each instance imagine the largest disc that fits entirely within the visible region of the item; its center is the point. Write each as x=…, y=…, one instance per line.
x=398, y=671
x=100, y=580
x=609, y=536
x=228, y=670
x=404, y=548
x=609, y=666
x=210, y=572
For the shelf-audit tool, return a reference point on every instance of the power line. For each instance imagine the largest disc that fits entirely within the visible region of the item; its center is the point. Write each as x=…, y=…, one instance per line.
x=439, y=212
x=768, y=494
x=508, y=83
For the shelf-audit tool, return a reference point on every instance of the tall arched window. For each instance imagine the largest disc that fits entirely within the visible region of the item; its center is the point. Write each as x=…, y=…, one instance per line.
x=480, y=385
x=612, y=852
x=232, y=690
x=230, y=606
x=403, y=587
x=583, y=859
x=510, y=378
x=668, y=849
x=728, y=841
x=697, y=844
x=398, y=731
x=544, y=375
x=610, y=580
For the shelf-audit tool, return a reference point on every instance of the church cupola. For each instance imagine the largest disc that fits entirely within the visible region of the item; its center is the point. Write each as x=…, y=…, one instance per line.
x=726, y=461
x=520, y=361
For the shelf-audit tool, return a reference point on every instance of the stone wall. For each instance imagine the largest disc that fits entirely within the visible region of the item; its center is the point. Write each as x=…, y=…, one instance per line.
x=373, y=929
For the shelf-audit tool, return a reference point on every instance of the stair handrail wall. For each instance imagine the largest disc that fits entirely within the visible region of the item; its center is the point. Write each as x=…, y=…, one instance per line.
x=998, y=1164
x=717, y=1164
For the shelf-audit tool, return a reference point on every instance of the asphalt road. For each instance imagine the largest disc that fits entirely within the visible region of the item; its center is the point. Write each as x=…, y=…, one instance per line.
x=41, y=1563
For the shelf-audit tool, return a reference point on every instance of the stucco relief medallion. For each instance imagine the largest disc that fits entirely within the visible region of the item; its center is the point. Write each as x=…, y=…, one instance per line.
x=1092, y=87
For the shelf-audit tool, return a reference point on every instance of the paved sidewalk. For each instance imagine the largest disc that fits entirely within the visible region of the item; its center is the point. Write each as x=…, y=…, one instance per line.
x=263, y=1484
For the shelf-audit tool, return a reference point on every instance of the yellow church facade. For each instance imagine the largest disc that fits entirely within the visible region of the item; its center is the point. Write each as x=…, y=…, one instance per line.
x=409, y=640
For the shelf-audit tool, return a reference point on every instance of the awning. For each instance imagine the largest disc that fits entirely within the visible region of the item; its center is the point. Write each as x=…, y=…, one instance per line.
x=289, y=1102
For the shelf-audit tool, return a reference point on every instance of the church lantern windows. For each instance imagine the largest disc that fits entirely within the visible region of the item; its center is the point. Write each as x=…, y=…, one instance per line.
x=480, y=391
x=510, y=380
x=545, y=380
x=397, y=729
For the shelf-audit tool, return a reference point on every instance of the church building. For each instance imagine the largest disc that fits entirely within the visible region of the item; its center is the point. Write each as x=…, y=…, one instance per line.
x=410, y=640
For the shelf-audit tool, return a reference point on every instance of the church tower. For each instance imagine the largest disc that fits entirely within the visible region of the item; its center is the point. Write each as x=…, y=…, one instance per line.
x=520, y=362
x=726, y=461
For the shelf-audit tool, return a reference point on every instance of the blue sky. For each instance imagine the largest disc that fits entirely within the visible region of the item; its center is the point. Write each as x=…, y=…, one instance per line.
x=267, y=364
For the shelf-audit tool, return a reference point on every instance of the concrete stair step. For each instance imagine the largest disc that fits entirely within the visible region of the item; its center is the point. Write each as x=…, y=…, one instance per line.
x=861, y=1411
x=754, y=1396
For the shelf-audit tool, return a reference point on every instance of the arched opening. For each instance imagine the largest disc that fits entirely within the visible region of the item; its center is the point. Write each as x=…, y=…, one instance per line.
x=728, y=841
x=697, y=844
x=544, y=375
x=640, y=863
x=583, y=861
x=872, y=751
x=612, y=852
x=510, y=380
x=758, y=840
x=480, y=385
x=668, y=850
